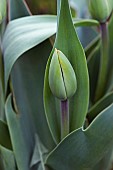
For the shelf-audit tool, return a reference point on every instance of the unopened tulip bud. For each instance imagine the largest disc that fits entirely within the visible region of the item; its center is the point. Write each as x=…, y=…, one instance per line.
x=100, y=9
x=62, y=78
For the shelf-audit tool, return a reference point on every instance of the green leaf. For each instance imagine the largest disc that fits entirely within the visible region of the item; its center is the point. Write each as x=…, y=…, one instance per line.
x=2, y=10
x=91, y=47
x=33, y=28
x=70, y=45
x=100, y=105
x=7, y=158
x=20, y=129
x=22, y=35
x=93, y=61
x=85, y=22
x=110, y=73
x=18, y=9
x=2, y=98
x=4, y=135
x=84, y=148
x=105, y=163
x=20, y=75
x=28, y=76
x=38, y=155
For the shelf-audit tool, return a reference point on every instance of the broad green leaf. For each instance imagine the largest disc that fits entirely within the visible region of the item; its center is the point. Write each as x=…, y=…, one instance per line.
x=105, y=163
x=4, y=135
x=28, y=76
x=24, y=103
x=100, y=105
x=68, y=42
x=21, y=136
x=18, y=9
x=84, y=148
x=22, y=35
x=7, y=158
x=35, y=29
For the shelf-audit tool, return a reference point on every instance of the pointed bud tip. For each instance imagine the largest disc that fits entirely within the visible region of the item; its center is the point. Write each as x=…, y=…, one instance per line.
x=62, y=78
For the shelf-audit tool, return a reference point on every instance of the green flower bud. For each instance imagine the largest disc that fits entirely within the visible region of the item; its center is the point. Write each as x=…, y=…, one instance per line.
x=2, y=9
x=62, y=79
x=101, y=9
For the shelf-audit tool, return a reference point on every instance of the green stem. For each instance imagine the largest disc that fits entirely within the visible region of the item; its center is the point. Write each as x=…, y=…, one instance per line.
x=103, y=61
x=64, y=118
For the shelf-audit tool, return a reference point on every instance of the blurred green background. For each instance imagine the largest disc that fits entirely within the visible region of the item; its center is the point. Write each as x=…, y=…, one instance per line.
x=42, y=6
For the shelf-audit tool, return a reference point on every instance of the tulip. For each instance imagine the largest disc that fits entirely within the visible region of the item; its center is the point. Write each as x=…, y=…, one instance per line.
x=62, y=78
x=63, y=84
x=101, y=9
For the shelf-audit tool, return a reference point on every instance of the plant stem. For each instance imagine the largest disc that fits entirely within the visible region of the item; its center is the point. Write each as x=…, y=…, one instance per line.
x=101, y=84
x=64, y=118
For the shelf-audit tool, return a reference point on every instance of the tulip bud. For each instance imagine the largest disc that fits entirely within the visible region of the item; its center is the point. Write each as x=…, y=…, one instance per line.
x=62, y=79
x=101, y=9
x=2, y=9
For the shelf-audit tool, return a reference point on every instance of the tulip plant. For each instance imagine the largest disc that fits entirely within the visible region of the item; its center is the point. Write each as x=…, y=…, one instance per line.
x=56, y=86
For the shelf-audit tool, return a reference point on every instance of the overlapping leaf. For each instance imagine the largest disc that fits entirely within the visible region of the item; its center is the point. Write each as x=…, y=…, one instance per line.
x=22, y=144
x=28, y=76
x=23, y=34
x=100, y=105
x=67, y=41
x=21, y=80
x=84, y=148
x=7, y=159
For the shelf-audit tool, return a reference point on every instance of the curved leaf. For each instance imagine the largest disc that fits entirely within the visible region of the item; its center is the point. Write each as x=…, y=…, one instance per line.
x=68, y=42
x=91, y=47
x=84, y=148
x=7, y=158
x=20, y=132
x=28, y=76
x=35, y=29
x=85, y=22
x=93, y=61
x=22, y=35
